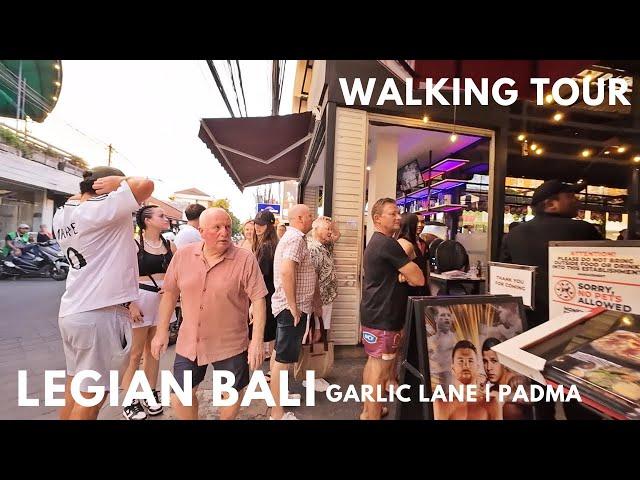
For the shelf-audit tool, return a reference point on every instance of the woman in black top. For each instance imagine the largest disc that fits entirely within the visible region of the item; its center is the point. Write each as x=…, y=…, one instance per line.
x=265, y=241
x=408, y=239
x=154, y=255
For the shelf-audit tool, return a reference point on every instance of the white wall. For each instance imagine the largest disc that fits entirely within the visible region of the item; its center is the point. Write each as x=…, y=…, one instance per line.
x=348, y=206
x=23, y=170
x=383, y=173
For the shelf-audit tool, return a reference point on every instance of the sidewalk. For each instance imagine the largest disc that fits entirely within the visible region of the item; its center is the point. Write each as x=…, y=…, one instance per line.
x=347, y=370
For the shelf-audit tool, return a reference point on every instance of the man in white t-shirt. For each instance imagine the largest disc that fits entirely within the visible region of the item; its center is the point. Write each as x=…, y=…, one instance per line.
x=95, y=232
x=189, y=233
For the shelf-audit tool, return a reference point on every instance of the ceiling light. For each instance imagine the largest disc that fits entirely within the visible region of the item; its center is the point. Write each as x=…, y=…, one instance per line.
x=549, y=98
x=453, y=138
x=521, y=137
x=586, y=153
x=622, y=149
x=425, y=119
x=558, y=116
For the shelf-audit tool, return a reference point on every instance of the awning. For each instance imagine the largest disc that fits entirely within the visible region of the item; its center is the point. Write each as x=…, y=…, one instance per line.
x=259, y=150
x=43, y=80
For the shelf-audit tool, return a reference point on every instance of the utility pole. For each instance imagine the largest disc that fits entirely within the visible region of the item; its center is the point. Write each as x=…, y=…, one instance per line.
x=110, y=149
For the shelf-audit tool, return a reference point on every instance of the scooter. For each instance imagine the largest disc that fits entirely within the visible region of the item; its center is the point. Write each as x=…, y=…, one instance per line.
x=37, y=260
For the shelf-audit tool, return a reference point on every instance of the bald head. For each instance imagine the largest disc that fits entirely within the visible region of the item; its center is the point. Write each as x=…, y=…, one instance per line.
x=300, y=217
x=213, y=214
x=215, y=229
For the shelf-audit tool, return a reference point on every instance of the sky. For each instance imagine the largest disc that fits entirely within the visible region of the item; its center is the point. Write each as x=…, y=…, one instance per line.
x=150, y=112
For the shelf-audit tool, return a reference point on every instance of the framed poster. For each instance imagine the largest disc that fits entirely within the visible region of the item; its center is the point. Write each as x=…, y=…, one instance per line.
x=448, y=347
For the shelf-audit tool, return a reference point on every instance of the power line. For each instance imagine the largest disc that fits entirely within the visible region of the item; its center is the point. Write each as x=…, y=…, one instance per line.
x=235, y=90
x=216, y=78
x=242, y=88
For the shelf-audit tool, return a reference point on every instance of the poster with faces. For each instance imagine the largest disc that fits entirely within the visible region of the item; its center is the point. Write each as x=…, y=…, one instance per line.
x=460, y=332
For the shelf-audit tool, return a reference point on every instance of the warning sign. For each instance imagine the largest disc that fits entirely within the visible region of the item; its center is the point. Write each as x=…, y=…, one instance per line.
x=583, y=277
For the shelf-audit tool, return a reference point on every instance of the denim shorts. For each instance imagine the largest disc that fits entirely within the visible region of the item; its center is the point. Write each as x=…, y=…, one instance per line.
x=289, y=337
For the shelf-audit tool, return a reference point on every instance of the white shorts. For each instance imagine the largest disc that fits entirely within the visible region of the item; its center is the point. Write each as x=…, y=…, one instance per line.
x=326, y=315
x=98, y=340
x=149, y=302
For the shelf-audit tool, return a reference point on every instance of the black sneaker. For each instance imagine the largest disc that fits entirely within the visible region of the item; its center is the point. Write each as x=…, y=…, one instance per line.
x=134, y=411
x=155, y=408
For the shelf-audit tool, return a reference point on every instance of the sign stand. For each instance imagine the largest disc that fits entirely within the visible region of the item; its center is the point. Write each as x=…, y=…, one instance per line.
x=512, y=279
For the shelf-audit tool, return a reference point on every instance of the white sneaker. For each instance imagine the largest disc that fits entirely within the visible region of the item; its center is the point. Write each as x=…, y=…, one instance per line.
x=154, y=408
x=286, y=416
x=134, y=411
x=320, y=385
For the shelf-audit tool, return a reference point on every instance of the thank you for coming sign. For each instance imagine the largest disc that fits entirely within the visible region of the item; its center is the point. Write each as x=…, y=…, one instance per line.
x=515, y=280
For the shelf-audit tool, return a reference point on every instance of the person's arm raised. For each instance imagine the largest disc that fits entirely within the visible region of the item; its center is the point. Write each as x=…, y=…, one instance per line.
x=142, y=188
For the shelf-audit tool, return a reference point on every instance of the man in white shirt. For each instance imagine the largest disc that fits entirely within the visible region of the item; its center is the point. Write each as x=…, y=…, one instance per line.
x=189, y=233
x=95, y=231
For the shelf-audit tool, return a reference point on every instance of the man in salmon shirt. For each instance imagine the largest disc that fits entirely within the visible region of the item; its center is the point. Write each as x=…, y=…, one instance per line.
x=217, y=282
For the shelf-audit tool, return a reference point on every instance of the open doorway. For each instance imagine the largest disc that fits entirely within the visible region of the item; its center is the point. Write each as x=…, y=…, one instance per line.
x=441, y=176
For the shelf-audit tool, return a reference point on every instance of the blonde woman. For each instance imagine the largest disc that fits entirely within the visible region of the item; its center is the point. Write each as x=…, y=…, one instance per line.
x=248, y=231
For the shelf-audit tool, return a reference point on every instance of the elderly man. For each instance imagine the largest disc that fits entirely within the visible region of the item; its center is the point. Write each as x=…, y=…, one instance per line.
x=325, y=234
x=217, y=281
x=295, y=280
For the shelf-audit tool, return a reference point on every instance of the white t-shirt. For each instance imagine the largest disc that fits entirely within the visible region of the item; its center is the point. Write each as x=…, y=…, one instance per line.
x=97, y=238
x=187, y=235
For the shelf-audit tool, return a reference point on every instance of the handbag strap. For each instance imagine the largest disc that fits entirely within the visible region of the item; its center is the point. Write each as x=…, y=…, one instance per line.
x=311, y=329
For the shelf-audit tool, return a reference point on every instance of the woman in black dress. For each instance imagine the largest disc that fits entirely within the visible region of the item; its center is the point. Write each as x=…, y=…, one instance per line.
x=264, y=245
x=408, y=239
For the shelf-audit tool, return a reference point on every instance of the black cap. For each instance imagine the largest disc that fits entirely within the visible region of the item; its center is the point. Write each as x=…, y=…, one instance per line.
x=100, y=172
x=553, y=187
x=265, y=217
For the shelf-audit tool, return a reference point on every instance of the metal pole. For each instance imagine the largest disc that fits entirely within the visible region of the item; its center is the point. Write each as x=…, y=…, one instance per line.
x=19, y=96
x=633, y=227
x=633, y=191
x=24, y=112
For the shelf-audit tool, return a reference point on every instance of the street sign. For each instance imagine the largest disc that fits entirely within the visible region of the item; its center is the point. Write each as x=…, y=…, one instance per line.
x=272, y=207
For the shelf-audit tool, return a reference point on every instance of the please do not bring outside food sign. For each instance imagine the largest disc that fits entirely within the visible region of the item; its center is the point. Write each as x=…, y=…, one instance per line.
x=586, y=275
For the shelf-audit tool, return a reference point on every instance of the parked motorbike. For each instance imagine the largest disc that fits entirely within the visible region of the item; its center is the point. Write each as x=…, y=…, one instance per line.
x=37, y=260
